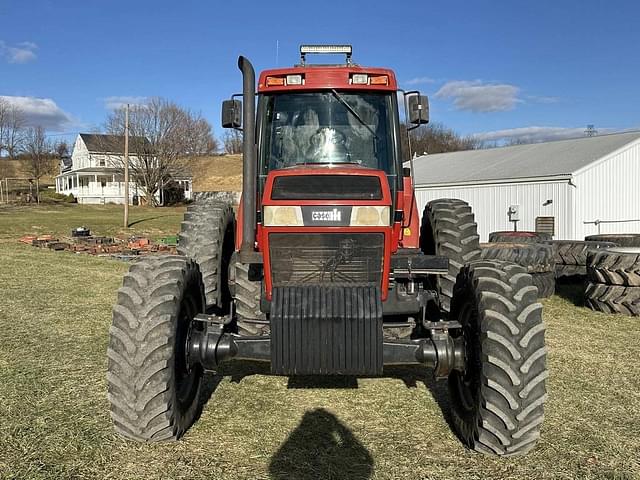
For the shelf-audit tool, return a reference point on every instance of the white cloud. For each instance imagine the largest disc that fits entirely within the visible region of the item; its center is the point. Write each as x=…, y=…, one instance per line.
x=41, y=112
x=477, y=96
x=419, y=81
x=116, y=102
x=534, y=134
x=20, y=53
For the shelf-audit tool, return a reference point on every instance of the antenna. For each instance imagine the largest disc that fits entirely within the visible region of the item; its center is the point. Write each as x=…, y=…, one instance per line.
x=591, y=131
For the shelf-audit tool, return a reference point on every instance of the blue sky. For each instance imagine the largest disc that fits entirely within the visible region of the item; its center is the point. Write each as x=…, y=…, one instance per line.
x=499, y=69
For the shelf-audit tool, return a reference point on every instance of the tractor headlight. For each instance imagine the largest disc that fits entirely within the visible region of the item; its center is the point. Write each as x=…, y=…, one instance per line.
x=282, y=216
x=370, y=216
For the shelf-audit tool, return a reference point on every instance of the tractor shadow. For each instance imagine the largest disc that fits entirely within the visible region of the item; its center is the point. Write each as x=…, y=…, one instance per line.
x=413, y=377
x=321, y=447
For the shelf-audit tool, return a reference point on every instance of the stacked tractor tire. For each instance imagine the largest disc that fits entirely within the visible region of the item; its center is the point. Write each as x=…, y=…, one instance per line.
x=530, y=250
x=608, y=264
x=613, y=275
x=571, y=257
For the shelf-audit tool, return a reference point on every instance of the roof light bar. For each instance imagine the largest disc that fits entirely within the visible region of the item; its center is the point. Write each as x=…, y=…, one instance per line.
x=335, y=49
x=326, y=50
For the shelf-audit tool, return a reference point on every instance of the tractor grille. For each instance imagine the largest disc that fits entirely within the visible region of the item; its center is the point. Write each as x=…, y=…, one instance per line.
x=326, y=258
x=327, y=187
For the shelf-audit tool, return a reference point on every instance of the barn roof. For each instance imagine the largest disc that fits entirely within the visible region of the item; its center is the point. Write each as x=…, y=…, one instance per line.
x=539, y=160
x=98, y=142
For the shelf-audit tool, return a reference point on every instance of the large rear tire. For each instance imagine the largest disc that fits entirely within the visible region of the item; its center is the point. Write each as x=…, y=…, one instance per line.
x=449, y=229
x=154, y=395
x=535, y=257
x=614, y=266
x=613, y=299
x=497, y=404
x=574, y=252
x=519, y=237
x=545, y=282
x=206, y=236
x=620, y=239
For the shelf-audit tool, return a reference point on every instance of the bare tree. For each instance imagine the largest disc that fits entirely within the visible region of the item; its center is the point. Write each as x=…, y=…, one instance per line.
x=200, y=139
x=517, y=141
x=161, y=135
x=12, y=128
x=232, y=142
x=62, y=149
x=38, y=150
x=436, y=138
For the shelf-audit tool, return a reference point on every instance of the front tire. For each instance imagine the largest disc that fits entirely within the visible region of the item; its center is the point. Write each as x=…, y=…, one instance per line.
x=154, y=396
x=497, y=404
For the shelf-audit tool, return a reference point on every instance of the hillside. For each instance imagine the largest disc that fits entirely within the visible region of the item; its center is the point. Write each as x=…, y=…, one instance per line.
x=216, y=173
x=210, y=173
x=18, y=169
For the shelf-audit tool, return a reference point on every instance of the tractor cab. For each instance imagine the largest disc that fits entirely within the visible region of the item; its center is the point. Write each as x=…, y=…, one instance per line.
x=328, y=115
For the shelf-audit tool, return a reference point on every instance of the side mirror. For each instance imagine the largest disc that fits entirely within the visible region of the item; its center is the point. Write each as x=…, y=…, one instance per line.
x=231, y=114
x=418, y=109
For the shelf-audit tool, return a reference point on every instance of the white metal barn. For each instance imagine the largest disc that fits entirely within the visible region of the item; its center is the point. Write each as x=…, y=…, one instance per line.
x=570, y=182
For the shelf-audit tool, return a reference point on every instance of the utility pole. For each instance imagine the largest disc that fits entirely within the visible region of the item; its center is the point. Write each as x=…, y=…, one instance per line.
x=126, y=167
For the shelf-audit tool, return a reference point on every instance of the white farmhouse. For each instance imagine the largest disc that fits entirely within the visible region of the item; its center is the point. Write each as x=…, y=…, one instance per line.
x=570, y=188
x=94, y=174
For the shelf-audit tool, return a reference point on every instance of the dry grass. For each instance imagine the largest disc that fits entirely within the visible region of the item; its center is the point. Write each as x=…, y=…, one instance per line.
x=18, y=168
x=54, y=320
x=217, y=173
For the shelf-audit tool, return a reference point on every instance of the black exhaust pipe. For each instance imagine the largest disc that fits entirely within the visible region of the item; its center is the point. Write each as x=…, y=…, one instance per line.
x=249, y=162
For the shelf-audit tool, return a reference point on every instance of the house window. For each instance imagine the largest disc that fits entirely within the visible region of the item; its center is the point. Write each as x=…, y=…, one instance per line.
x=101, y=162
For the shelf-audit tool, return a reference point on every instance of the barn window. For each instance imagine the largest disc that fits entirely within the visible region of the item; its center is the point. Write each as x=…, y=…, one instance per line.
x=546, y=225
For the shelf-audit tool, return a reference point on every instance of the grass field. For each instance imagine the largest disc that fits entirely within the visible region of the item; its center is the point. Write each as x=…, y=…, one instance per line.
x=60, y=218
x=54, y=421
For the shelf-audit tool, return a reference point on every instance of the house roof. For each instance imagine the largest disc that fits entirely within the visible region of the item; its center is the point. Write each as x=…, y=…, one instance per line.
x=66, y=163
x=550, y=159
x=97, y=142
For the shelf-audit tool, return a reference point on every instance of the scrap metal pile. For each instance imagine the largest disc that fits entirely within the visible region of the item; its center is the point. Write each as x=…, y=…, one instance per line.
x=123, y=248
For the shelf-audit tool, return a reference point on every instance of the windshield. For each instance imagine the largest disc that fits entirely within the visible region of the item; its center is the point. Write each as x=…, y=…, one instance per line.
x=328, y=128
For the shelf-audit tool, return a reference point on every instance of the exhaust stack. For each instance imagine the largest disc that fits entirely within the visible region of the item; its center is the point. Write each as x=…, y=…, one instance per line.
x=249, y=162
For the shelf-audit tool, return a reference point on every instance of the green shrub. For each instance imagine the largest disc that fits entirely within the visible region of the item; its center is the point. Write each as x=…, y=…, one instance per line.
x=50, y=195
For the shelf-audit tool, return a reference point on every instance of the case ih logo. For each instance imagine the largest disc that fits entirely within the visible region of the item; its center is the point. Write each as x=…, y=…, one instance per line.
x=334, y=215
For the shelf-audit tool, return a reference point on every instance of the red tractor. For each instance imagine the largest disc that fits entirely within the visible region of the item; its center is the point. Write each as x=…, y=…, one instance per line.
x=327, y=269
